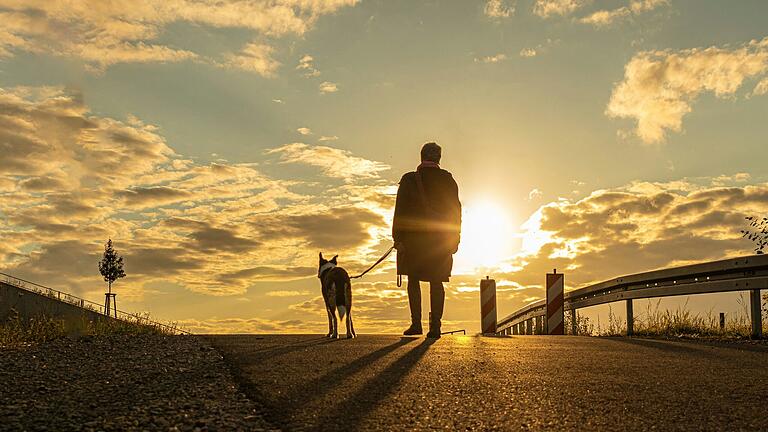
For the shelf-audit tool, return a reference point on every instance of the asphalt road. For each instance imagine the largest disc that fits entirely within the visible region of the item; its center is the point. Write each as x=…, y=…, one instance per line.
x=512, y=383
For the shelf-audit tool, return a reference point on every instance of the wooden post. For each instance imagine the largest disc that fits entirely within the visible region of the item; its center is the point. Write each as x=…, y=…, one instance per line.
x=110, y=303
x=722, y=321
x=630, y=319
x=757, y=317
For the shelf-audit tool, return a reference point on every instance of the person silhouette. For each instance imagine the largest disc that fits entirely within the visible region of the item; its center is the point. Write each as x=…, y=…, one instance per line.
x=427, y=230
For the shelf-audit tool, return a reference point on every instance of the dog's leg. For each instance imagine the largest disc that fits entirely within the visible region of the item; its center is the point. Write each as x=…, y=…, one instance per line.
x=350, y=334
x=351, y=324
x=335, y=332
x=330, y=321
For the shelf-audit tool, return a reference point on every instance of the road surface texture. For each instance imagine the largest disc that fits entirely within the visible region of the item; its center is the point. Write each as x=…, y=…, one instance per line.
x=122, y=383
x=511, y=383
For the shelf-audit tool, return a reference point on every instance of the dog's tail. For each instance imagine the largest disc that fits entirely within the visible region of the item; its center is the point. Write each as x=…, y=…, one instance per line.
x=342, y=311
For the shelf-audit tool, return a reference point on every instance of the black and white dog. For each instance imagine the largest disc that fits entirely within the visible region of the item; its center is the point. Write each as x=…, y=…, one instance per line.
x=337, y=293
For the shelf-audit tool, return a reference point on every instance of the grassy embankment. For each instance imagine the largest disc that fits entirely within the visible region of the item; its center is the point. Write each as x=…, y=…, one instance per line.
x=16, y=331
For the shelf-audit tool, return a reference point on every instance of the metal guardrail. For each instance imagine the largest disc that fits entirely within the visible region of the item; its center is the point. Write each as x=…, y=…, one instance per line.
x=83, y=303
x=748, y=273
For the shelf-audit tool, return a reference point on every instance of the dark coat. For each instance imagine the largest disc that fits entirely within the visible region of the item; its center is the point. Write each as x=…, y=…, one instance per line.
x=428, y=232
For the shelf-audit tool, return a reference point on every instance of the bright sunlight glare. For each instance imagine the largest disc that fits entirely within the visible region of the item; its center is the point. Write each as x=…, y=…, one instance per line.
x=486, y=236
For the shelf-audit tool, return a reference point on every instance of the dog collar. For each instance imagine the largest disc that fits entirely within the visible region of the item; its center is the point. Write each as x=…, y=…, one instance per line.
x=325, y=267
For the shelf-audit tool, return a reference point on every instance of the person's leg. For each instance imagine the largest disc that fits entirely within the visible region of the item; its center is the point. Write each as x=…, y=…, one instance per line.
x=436, y=301
x=414, y=301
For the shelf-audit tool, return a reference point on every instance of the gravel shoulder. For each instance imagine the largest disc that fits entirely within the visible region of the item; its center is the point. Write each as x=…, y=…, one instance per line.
x=145, y=382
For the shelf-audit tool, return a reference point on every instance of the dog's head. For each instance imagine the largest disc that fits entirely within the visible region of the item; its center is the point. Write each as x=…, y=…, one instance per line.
x=325, y=265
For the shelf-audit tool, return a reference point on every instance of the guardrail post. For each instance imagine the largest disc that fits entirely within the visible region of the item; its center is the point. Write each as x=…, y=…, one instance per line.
x=630, y=319
x=757, y=317
x=574, y=323
x=488, y=305
x=555, y=292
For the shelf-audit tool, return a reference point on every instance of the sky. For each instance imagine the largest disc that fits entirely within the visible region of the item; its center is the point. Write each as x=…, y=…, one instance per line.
x=222, y=145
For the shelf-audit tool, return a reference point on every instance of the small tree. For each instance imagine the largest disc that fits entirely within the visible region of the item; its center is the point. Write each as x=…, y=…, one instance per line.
x=111, y=265
x=757, y=232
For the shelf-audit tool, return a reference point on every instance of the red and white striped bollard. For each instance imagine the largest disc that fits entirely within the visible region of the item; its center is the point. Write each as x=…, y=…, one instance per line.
x=488, y=305
x=555, y=291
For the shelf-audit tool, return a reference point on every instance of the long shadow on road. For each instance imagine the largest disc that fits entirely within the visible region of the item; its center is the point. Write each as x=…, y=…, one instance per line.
x=320, y=402
x=357, y=407
x=276, y=350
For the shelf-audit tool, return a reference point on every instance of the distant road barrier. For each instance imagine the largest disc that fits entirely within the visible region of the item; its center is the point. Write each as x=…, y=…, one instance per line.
x=749, y=273
x=488, y=305
x=82, y=303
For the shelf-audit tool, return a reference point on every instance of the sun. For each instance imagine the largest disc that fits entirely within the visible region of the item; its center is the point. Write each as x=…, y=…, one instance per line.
x=486, y=236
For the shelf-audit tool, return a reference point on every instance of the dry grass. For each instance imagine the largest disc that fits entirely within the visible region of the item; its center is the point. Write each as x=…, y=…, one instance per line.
x=680, y=322
x=15, y=331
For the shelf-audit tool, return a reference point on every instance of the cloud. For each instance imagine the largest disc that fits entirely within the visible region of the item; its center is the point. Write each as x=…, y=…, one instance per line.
x=271, y=273
x=209, y=239
x=47, y=132
x=534, y=194
x=304, y=131
x=659, y=87
x=334, y=162
x=159, y=262
x=286, y=293
x=548, y=8
x=639, y=227
x=127, y=32
x=605, y=18
x=761, y=88
x=153, y=196
x=70, y=179
x=639, y=6
x=328, y=87
x=333, y=229
x=528, y=52
x=254, y=57
x=328, y=138
x=492, y=59
x=498, y=9
x=41, y=184
x=307, y=66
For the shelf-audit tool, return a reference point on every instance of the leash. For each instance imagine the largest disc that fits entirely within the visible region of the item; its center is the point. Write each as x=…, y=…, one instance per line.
x=383, y=257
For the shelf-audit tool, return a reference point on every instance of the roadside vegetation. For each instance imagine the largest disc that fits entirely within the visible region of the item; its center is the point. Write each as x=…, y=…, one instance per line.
x=678, y=323
x=18, y=332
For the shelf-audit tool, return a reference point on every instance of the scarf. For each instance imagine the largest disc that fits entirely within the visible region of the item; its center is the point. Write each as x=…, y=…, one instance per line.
x=428, y=164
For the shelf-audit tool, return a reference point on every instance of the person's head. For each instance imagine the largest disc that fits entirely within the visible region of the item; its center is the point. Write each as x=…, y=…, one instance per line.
x=431, y=152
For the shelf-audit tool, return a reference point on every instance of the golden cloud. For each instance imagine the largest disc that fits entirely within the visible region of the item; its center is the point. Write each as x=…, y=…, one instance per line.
x=659, y=87
x=498, y=9
x=334, y=162
x=69, y=180
x=548, y=8
x=122, y=31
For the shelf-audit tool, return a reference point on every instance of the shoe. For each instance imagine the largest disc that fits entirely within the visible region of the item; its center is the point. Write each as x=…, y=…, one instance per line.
x=413, y=330
x=433, y=334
